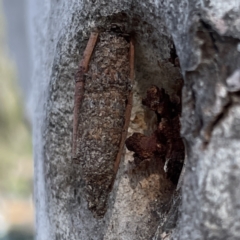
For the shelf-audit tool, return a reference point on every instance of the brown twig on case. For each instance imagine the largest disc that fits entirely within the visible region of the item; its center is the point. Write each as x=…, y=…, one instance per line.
x=128, y=108
x=79, y=87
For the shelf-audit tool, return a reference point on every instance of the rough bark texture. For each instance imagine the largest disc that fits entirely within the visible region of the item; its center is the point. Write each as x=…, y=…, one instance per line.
x=206, y=36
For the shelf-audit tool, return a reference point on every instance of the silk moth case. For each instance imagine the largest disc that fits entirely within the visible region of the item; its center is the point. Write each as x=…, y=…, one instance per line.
x=102, y=109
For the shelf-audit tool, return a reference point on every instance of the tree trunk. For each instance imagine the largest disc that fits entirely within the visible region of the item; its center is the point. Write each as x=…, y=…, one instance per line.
x=146, y=200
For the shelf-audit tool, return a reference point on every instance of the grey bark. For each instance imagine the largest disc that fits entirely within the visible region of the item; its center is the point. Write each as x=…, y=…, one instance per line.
x=206, y=35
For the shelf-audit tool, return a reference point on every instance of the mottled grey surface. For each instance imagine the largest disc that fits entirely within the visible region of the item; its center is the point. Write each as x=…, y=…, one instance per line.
x=206, y=35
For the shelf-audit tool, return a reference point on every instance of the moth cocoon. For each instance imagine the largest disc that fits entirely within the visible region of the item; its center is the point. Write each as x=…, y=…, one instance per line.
x=103, y=117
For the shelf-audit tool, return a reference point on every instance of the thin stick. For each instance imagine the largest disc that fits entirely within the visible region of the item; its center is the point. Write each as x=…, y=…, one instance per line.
x=79, y=88
x=128, y=109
